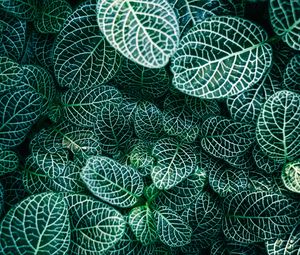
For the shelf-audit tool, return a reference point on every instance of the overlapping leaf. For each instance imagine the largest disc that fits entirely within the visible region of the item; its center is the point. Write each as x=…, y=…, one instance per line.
x=278, y=126
x=82, y=57
x=209, y=63
x=145, y=32
x=37, y=225
x=291, y=176
x=9, y=161
x=24, y=9
x=114, y=183
x=291, y=75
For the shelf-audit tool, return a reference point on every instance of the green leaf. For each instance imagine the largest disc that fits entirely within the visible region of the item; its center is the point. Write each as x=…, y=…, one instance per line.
x=9, y=162
x=171, y=228
x=24, y=9
x=148, y=122
x=96, y=227
x=43, y=49
x=258, y=216
x=114, y=183
x=209, y=63
x=142, y=222
x=285, y=19
x=291, y=176
x=19, y=110
x=1, y=198
x=291, y=77
x=278, y=134
x=83, y=59
x=224, y=138
x=81, y=108
x=222, y=247
x=289, y=244
x=145, y=32
x=175, y=162
x=10, y=74
x=51, y=15
x=37, y=225
x=13, y=37
x=112, y=128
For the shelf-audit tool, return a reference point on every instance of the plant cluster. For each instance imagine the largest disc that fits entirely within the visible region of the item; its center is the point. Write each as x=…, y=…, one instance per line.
x=149, y=127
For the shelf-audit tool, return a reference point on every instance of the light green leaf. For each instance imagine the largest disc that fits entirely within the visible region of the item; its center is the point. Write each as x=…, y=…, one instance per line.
x=83, y=59
x=224, y=138
x=24, y=9
x=9, y=162
x=114, y=183
x=291, y=176
x=175, y=162
x=51, y=15
x=291, y=77
x=37, y=225
x=171, y=228
x=18, y=112
x=285, y=19
x=81, y=108
x=95, y=226
x=142, y=222
x=145, y=32
x=210, y=64
x=278, y=134
x=258, y=216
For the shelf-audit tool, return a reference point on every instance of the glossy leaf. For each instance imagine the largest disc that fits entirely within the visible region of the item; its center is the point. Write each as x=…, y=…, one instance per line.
x=291, y=176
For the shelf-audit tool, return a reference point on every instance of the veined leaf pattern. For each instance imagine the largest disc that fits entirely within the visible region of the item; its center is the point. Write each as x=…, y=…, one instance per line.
x=291, y=176
x=9, y=161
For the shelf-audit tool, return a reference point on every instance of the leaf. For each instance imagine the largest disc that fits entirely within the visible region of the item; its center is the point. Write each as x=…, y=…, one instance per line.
x=112, y=128
x=96, y=227
x=289, y=244
x=13, y=36
x=114, y=183
x=258, y=216
x=82, y=108
x=291, y=77
x=10, y=74
x=222, y=247
x=37, y=225
x=1, y=198
x=24, y=9
x=19, y=111
x=210, y=64
x=148, y=122
x=142, y=222
x=171, y=228
x=224, y=138
x=52, y=15
x=43, y=49
x=83, y=59
x=291, y=176
x=278, y=134
x=285, y=19
x=175, y=162
x=9, y=162
x=146, y=33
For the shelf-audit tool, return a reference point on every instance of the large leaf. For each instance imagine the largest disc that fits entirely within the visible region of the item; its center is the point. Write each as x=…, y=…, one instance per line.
x=291, y=77
x=278, y=134
x=19, y=110
x=112, y=129
x=37, y=225
x=224, y=138
x=13, y=36
x=258, y=216
x=24, y=9
x=145, y=32
x=289, y=244
x=82, y=57
x=9, y=162
x=51, y=16
x=96, y=226
x=175, y=162
x=209, y=63
x=81, y=108
x=142, y=222
x=285, y=19
x=171, y=228
x=291, y=176
x=114, y=183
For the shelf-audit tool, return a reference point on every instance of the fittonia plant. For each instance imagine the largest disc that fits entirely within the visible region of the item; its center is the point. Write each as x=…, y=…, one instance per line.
x=149, y=127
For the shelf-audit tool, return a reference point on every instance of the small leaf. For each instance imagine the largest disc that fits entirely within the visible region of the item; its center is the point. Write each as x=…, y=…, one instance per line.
x=291, y=77
x=291, y=176
x=9, y=162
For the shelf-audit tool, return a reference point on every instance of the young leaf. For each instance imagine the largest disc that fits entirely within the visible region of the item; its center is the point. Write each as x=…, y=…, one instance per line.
x=114, y=183
x=209, y=63
x=145, y=32
x=291, y=176
x=38, y=225
x=278, y=134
